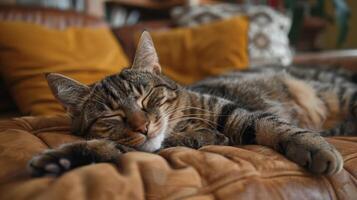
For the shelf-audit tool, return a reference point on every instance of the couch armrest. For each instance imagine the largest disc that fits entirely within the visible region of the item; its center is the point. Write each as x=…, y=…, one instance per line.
x=344, y=58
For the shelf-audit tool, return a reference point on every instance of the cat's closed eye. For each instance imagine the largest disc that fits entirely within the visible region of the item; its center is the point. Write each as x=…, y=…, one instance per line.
x=103, y=127
x=110, y=120
x=157, y=97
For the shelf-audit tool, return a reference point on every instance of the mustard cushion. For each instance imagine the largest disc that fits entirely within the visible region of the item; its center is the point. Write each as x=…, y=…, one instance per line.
x=190, y=54
x=29, y=50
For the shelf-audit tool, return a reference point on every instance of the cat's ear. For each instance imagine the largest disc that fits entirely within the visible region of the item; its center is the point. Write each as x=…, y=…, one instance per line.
x=68, y=91
x=146, y=57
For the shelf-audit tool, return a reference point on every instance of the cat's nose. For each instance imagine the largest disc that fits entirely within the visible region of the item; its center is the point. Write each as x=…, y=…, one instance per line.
x=138, y=122
x=143, y=128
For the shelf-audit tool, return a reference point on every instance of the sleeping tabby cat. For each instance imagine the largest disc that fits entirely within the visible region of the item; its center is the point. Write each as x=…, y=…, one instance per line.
x=140, y=109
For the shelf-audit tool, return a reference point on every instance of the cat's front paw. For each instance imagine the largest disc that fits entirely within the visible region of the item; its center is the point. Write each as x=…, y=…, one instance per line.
x=314, y=153
x=50, y=163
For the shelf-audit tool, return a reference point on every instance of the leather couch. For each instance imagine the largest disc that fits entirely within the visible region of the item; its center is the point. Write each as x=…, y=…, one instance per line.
x=212, y=172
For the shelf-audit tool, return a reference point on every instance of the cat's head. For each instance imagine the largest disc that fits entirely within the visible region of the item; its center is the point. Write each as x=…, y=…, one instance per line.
x=131, y=108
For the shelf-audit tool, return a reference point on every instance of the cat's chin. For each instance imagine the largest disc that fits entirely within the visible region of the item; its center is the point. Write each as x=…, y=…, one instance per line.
x=152, y=144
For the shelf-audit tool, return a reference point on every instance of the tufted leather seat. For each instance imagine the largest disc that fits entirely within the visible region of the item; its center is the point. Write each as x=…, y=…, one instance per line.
x=212, y=172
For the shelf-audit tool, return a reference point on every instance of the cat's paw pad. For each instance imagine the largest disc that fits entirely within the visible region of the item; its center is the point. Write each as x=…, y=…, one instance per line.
x=49, y=163
x=315, y=154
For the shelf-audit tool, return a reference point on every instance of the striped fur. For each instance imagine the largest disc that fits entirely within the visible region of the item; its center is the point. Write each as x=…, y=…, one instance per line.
x=141, y=109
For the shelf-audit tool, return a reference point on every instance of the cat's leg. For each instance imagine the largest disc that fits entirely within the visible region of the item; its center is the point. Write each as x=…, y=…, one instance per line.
x=68, y=156
x=196, y=138
x=341, y=104
x=345, y=128
x=305, y=147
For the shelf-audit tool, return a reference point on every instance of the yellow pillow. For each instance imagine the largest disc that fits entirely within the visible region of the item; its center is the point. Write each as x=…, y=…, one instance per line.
x=29, y=50
x=190, y=54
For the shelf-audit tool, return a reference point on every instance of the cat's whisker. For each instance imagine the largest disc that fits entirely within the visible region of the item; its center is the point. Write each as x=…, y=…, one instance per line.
x=185, y=108
x=189, y=116
x=192, y=116
x=97, y=96
x=190, y=107
x=199, y=114
x=206, y=113
x=176, y=110
x=208, y=122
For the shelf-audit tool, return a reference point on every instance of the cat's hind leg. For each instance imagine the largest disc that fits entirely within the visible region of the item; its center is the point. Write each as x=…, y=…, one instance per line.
x=346, y=128
x=341, y=105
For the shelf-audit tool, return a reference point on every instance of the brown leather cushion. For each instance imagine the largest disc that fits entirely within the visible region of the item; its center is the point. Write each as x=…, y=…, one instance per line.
x=213, y=172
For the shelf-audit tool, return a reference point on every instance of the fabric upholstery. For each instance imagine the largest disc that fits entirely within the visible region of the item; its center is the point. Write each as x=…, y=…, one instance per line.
x=212, y=172
x=268, y=28
x=30, y=50
x=190, y=54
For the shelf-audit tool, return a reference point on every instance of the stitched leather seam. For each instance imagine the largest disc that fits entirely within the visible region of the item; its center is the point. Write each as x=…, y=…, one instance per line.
x=26, y=123
x=43, y=141
x=351, y=174
x=330, y=188
x=28, y=132
x=354, y=155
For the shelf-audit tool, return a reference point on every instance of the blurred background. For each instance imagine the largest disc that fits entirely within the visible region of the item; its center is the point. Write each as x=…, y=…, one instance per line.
x=316, y=24
x=90, y=39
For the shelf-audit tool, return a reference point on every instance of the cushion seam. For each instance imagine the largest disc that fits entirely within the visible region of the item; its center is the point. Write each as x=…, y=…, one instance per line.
x=42, y=140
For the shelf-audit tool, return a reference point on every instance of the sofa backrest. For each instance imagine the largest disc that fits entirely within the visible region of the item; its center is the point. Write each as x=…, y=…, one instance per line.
x=48, y=16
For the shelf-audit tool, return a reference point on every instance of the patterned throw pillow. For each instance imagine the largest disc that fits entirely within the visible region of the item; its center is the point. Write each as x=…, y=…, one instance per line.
x=268, y=29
